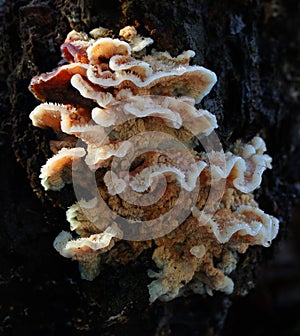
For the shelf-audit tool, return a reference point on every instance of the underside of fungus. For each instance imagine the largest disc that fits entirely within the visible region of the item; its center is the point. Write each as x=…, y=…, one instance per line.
x=111, y=91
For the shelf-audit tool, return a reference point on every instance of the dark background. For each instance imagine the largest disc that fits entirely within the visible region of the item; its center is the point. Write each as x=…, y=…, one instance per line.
x=253, y=48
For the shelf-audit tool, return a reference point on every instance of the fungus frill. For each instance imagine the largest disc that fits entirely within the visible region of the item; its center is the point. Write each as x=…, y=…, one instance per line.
x=112, y=98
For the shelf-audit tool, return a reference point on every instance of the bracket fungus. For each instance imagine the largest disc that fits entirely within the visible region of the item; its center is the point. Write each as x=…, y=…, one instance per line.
x=112, y=97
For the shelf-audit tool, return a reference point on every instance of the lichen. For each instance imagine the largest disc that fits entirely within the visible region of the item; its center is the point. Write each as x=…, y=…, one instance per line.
x=198, y=203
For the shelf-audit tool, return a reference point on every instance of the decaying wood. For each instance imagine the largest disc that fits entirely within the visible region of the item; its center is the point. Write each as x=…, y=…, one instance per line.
x=250, y=46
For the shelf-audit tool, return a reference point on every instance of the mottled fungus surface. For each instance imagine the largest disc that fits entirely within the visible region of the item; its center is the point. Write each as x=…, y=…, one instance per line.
x=112, y=91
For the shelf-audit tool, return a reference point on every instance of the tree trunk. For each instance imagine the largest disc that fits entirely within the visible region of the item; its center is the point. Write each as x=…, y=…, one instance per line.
x=252, y=47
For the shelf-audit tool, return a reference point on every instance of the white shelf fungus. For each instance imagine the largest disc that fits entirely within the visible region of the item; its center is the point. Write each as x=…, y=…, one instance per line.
x=58, y=169
x=111, y=91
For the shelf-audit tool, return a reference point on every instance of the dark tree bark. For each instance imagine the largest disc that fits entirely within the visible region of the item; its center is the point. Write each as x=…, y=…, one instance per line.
x=252, y=46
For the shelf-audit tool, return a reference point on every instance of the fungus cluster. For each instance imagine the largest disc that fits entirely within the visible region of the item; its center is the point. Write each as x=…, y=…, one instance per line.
x=109, y=91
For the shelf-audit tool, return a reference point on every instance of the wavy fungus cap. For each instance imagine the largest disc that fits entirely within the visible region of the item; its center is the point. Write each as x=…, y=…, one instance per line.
x=111, y=92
